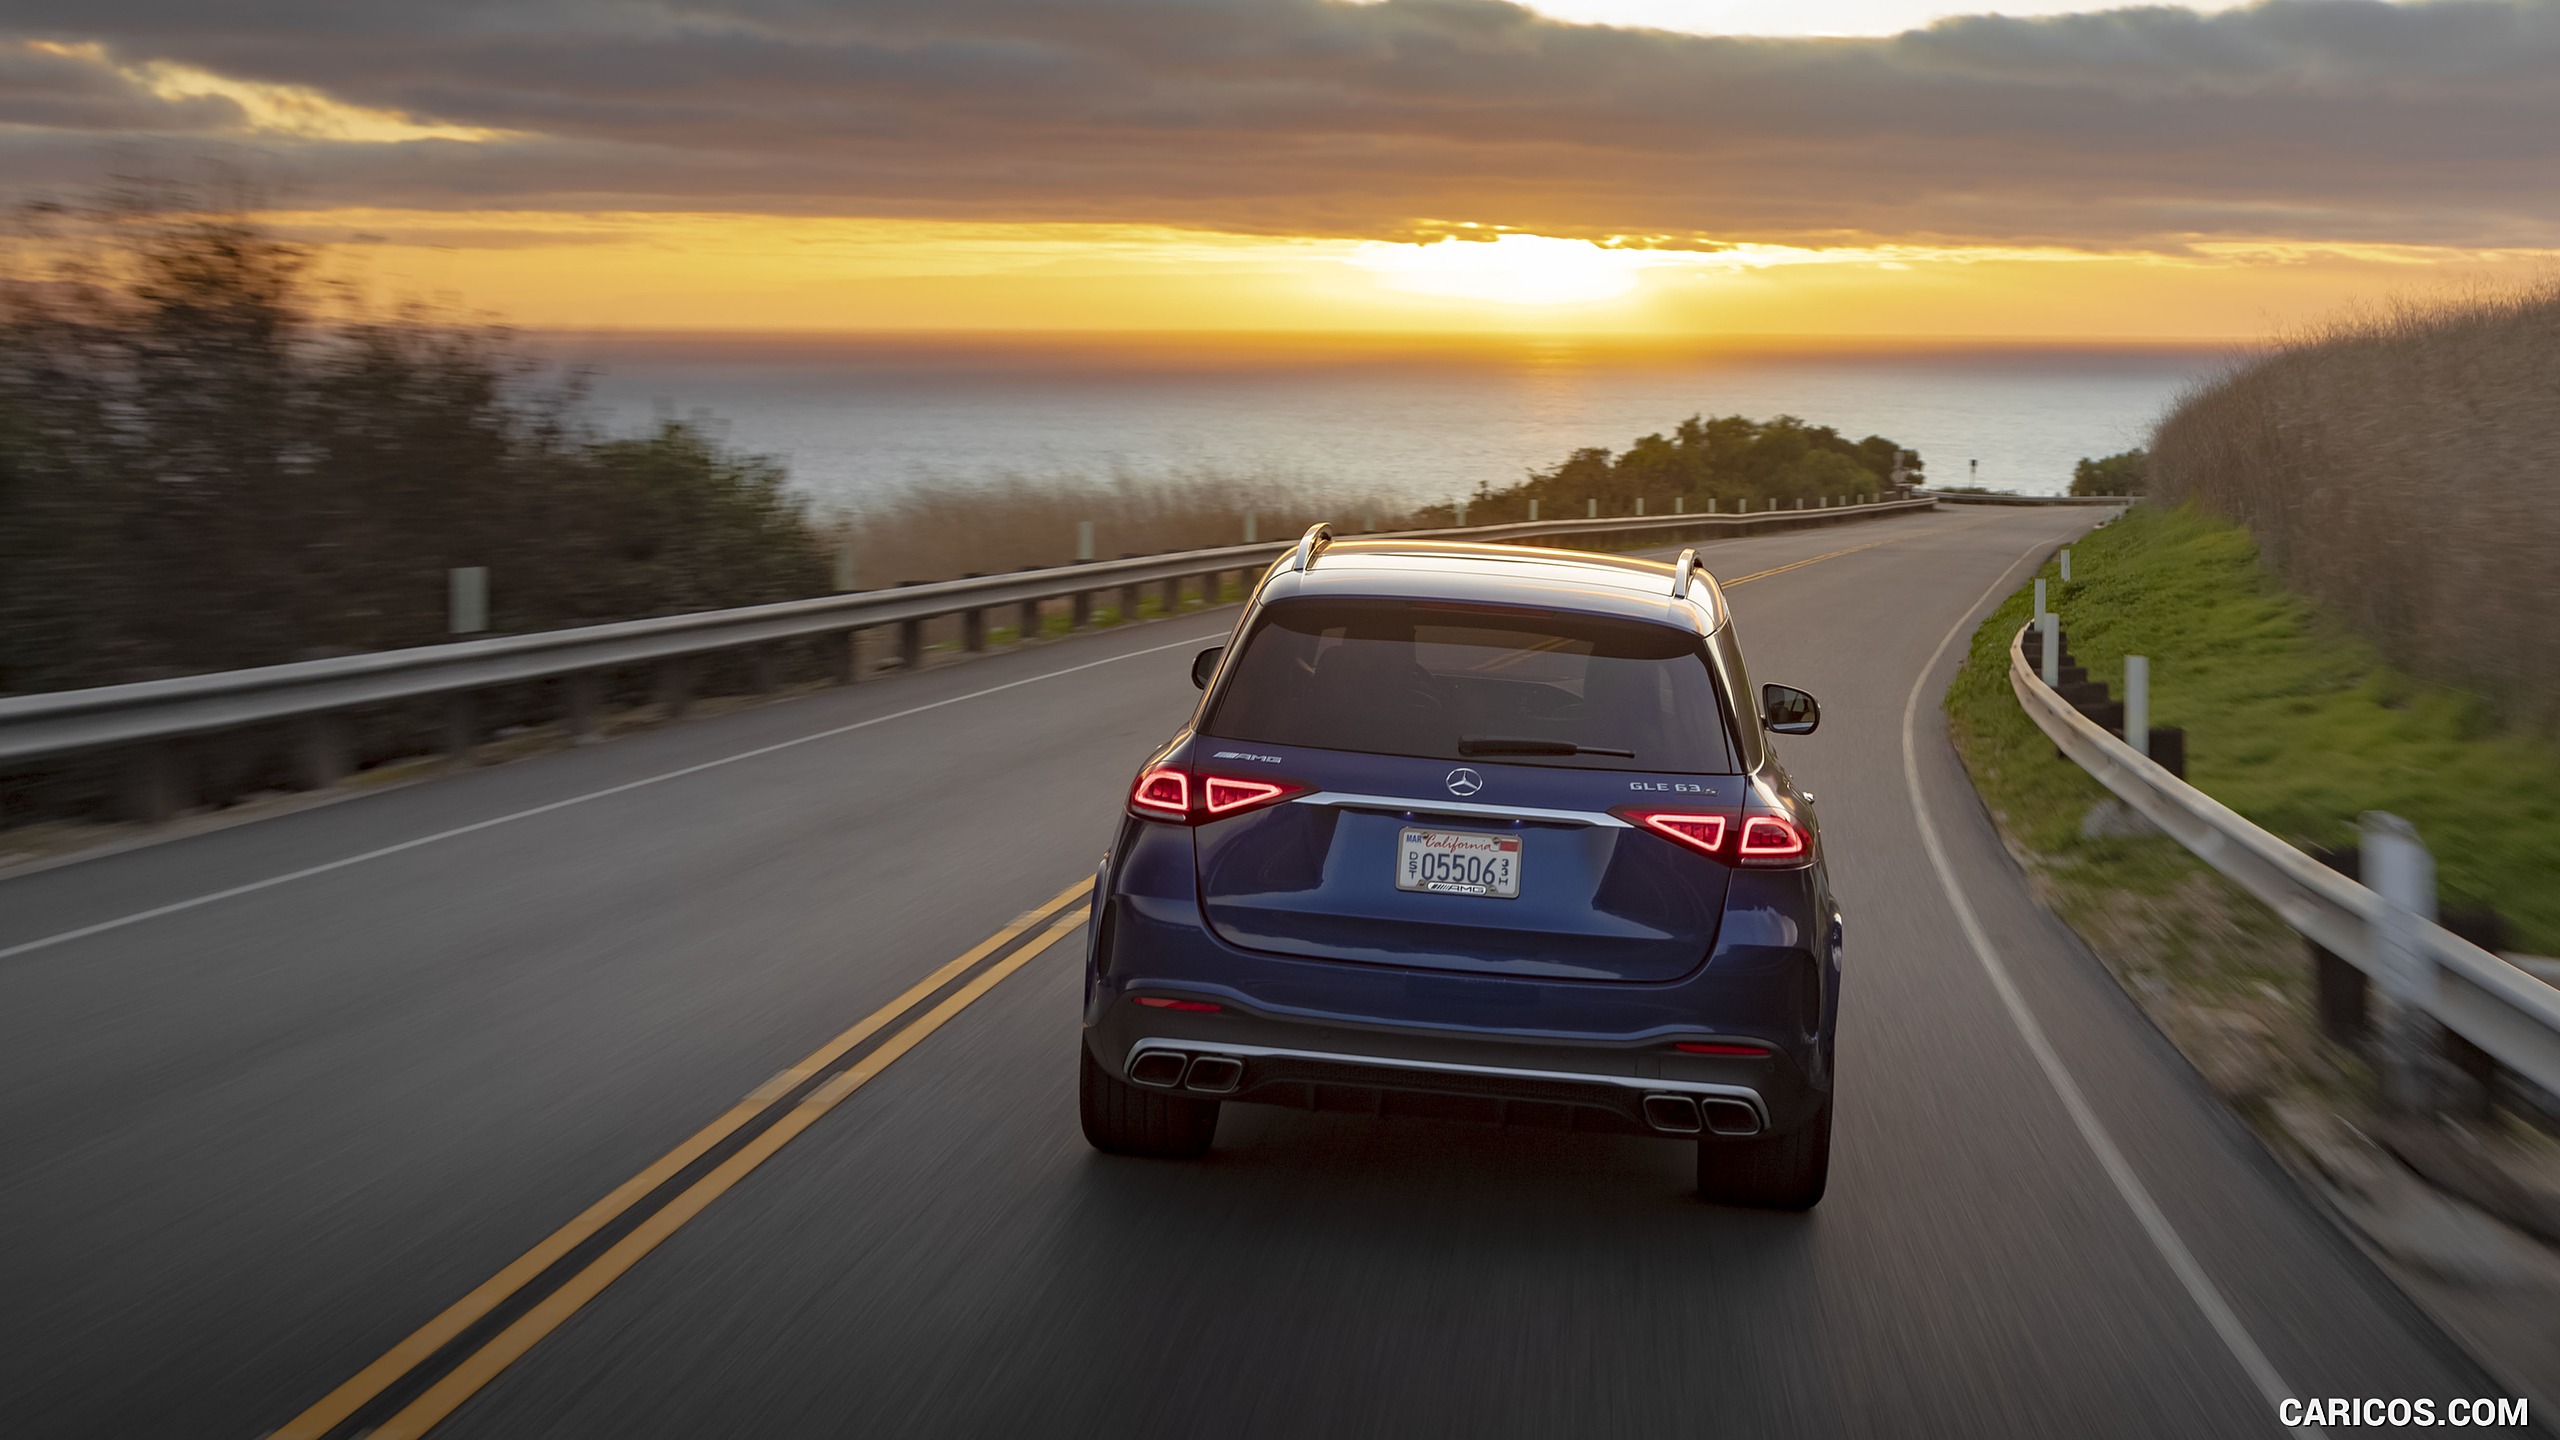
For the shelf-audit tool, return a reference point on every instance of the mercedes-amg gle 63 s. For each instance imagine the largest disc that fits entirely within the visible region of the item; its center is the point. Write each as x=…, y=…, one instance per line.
x=1475, y=831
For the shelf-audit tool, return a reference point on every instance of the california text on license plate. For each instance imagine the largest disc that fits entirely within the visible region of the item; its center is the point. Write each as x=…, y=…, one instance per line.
x=1459, y=862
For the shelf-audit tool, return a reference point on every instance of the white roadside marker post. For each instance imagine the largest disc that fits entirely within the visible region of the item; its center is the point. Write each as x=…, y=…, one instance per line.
x=2066, y=565
x=2040, y=610
x=2397, y=867
x=1084, y=541
x=467, y=599
x=1592, y=510
x=1248, y=527
x=2137, y=704
x=1533, y=507
x=2050, y=627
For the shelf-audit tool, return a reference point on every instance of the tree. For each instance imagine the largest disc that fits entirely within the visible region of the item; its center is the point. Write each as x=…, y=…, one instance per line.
x=1725, y=459
x=2125, y=474
x=200, y=469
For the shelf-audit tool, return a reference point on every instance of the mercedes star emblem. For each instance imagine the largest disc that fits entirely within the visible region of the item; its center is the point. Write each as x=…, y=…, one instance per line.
x=1463, y=781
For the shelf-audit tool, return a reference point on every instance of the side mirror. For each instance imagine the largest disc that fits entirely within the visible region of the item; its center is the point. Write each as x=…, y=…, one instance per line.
x=1204, y=665
x=1789, y=711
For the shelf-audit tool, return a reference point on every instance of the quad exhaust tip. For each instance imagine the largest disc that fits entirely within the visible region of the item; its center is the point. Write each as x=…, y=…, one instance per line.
x=1682, y=1115
x=1214, y=1075
x=1730, y=1117
x=1171, y=1069
x=1672, y=1114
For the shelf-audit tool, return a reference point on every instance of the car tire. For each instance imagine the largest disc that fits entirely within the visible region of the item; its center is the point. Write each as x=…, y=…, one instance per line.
x=1125, y=1119
x=1777, y=1172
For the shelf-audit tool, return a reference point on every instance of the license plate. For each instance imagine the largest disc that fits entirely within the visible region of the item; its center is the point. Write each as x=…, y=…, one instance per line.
x=1459, y=862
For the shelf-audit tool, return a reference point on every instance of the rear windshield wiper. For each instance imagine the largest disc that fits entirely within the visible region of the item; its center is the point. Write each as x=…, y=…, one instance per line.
x=1497, y=745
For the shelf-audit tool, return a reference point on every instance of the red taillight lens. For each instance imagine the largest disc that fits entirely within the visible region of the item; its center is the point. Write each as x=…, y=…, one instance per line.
x=1224, y=796
x=1729, y=1048
x=1771, y=840
x=1703, y=833
x=1159, y=1002
x=1163, y=793
x=1167, y=793
x=1761, y=839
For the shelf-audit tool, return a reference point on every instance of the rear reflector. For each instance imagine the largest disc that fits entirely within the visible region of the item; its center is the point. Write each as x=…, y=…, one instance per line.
x=1159, y=1002
x=1737, y=1049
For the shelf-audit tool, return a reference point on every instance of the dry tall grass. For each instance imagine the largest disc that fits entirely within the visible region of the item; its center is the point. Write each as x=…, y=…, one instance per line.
x=2403, y=469
x=1018, y=523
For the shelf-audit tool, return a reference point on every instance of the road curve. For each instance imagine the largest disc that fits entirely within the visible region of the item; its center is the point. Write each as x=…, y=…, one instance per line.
x=254, y=1142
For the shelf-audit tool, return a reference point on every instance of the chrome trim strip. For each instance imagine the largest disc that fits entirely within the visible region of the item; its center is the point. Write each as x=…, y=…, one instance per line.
x=1742, y=1093
x=1402, y=803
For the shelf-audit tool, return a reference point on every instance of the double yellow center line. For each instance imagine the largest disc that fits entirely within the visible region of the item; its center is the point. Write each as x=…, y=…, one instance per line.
x=430, y=1354
x=436, y=1339
x=1836, y=554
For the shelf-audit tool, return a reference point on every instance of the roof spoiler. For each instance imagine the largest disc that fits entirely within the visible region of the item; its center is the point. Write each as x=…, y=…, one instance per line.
x=1318, y=536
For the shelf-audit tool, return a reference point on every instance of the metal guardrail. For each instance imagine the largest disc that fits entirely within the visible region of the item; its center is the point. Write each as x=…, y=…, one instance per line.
x=1968, y=497
x=150, y=712
x=2472, y=992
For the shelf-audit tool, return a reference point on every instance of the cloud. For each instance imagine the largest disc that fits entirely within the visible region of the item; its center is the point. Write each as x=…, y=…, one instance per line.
x=2336, y=120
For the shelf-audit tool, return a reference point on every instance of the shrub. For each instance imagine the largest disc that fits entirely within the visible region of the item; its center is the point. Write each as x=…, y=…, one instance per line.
x=201, y=469
x=2125, y=474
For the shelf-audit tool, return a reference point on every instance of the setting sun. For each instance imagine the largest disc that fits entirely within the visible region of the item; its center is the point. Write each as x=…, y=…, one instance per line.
x=1507, y=269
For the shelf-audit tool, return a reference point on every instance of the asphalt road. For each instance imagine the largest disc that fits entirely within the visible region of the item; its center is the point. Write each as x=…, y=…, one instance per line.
x=252, y=1143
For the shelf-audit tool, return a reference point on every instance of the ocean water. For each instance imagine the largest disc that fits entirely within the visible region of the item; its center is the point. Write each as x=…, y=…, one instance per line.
x=859, y=418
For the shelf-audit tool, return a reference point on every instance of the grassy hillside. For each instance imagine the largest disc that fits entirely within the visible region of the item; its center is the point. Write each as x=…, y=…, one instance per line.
x=2290, y=720
x=2399, y=469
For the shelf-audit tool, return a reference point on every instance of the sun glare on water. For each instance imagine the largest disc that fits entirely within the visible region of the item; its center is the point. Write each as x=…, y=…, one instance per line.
x=1508, y=269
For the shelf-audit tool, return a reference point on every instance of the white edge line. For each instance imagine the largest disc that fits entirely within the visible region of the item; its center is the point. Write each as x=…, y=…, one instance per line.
x=2164, y=1237
x=270, y=882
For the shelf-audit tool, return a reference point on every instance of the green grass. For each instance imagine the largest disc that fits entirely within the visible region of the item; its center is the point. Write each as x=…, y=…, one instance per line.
x=2290, y=721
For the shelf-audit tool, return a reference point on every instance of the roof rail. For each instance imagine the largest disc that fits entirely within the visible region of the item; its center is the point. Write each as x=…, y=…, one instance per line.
x=1318, y=536
x=1681, y=570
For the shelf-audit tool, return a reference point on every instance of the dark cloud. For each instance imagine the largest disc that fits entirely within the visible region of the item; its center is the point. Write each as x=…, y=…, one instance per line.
x=2334, y=119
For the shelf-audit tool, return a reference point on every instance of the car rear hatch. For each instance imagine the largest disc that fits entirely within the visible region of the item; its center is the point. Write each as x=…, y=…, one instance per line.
x=1432, y=840
x=1596, y=898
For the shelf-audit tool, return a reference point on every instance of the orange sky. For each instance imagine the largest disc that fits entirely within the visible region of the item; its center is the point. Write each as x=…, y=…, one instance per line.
x=653, y=272
x=1346, y=166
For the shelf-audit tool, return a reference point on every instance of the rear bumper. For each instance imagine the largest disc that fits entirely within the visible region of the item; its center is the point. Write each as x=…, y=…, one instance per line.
x=1640, y=1089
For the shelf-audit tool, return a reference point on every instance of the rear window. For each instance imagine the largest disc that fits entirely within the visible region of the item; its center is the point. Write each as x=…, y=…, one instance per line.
x=1512, y=687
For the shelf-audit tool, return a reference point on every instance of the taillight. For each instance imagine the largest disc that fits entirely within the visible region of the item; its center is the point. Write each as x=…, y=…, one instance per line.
x=1163, y=793
x=1703, y=833
x=1757, y=838
x=1771, y=840
x=1224, y=796
x=1168, y=793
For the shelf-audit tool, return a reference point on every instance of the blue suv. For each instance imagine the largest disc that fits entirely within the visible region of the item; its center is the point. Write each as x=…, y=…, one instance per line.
x=1480, y=832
